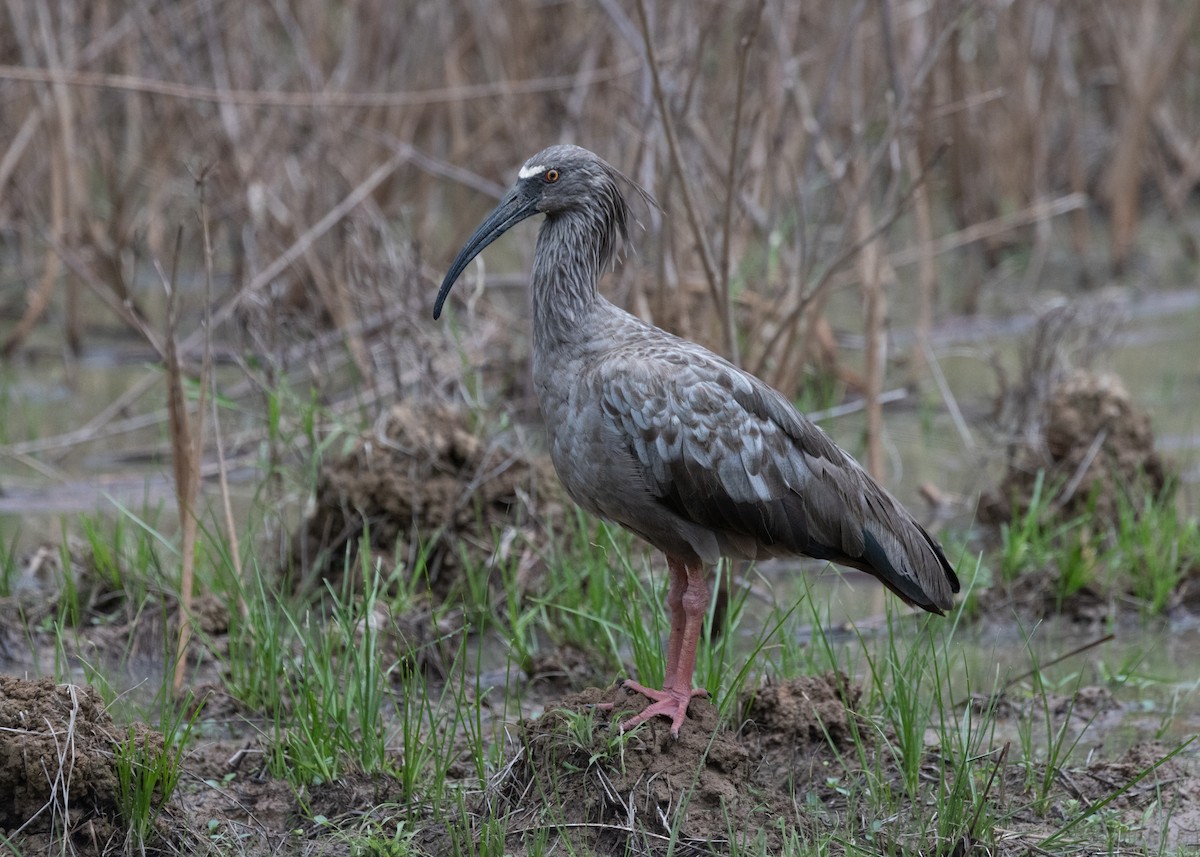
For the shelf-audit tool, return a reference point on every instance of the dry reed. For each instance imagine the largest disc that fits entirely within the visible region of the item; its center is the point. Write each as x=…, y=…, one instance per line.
x=789, y=144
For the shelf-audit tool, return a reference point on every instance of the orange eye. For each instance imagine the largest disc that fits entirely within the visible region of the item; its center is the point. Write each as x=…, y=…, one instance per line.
x=551, y=176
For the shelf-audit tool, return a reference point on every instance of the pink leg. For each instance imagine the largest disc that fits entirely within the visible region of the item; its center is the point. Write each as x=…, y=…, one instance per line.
x=695, y=605
x=687, y=620
x=675, y=590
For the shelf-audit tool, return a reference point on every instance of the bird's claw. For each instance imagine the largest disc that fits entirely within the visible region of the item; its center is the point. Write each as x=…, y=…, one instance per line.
x=668, y=702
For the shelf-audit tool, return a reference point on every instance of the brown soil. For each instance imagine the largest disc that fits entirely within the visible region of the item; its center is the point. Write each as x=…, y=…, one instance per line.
x=561, y=669
x=226, y=785
x=794, y=728
x=1090, y=705
x=57, y=747
x=745, y=782
x=1172, y=786
x=422, y=475
x=606, y=793
x=1094, y=445
x=804, y=710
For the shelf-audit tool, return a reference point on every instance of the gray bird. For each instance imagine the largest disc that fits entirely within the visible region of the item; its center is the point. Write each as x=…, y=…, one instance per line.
x=676, y=444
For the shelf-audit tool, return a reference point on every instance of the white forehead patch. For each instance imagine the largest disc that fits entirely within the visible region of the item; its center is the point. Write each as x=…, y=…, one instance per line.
x=530, y=172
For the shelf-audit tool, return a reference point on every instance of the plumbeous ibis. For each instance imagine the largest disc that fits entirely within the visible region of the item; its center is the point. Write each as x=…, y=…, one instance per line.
x=674, y=443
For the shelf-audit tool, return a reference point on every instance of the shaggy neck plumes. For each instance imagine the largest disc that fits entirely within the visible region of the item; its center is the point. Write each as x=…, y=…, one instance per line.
x=573, y=248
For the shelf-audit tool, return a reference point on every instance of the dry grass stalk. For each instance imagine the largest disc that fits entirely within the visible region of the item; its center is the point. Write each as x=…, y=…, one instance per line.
x=186, y=457
x=59, y=779
x=231, y=533
x=70, y=164
x=997, y=227
x=445, y=95
x=732, y=183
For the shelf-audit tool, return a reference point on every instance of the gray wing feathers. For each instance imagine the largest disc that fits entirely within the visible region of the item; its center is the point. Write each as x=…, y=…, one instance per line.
x=724, y=451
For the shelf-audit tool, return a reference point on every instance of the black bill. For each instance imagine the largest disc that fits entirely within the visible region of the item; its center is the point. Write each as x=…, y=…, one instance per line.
x=515, y=207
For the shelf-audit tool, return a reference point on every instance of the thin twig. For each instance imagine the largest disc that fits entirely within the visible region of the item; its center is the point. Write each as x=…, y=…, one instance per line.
x=706, y=257
x=939, y=378
x=269, y=98
x=186, y=445
x=1081, y=470
x=855, y=406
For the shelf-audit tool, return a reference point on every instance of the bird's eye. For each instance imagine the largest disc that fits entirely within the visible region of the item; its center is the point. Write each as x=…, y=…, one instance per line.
x=551, y=176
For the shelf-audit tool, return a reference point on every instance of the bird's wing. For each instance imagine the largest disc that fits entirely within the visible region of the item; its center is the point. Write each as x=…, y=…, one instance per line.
x=721, y=449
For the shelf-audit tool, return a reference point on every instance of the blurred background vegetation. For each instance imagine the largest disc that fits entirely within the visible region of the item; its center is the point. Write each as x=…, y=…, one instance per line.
x=836, y=180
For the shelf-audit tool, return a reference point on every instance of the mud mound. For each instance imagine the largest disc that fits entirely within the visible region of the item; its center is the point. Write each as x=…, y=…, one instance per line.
x=1090, y=705
x=1094, y=446
x=805, y=710
x=37, y=585
x=791, y=726
x=56, y=755
x=607, y=793
x=422, y=480
x=574, y=772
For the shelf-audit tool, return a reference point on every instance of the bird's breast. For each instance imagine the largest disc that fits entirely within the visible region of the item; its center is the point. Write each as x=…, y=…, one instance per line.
x=592, y=464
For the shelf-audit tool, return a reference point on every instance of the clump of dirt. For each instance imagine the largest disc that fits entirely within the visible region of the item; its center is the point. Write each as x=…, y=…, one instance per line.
x=423, y=480
x=37, y=584
x=604, y=790
x=1188, y=593
x=1087, y=460
x=346, y=798
x=57, y=755
x=210, y=615
x=1087, y=703
x=1095, y=449
x=573, y=765
x=806, y=709
x=791, y=727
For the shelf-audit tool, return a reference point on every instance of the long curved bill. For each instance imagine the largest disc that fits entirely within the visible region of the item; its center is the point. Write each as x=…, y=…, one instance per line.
x=514, y=208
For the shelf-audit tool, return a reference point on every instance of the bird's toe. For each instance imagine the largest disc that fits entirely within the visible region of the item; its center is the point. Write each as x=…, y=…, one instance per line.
x=671, y=703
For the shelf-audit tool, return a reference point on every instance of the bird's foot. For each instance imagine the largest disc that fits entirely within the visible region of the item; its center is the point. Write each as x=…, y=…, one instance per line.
x=668, y=702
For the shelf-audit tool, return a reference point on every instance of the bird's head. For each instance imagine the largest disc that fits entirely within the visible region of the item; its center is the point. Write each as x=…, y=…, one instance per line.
x=560, y=181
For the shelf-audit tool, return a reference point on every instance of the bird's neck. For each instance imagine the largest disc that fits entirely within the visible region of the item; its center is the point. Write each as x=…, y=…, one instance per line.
x=572, y=250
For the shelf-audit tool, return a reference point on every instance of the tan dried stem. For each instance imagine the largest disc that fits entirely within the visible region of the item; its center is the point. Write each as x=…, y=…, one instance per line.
x=186, y=456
